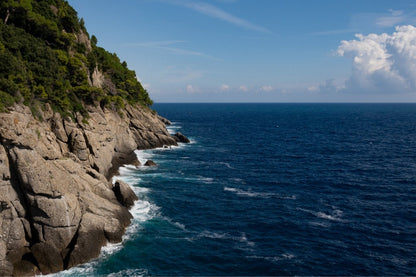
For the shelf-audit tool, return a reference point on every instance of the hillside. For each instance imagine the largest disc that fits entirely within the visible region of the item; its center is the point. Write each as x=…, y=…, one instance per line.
x=47, y=56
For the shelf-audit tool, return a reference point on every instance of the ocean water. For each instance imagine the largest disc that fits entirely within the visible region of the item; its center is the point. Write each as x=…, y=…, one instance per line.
x=273, y=189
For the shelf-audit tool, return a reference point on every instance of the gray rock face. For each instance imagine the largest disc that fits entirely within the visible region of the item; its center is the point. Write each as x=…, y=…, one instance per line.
x=57, y=206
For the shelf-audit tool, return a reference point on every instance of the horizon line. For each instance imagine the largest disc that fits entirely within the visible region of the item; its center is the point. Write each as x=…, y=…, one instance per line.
x=352, y=102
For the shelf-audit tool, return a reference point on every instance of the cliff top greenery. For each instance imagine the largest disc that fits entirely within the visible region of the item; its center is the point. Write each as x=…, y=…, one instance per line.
x=47, y=56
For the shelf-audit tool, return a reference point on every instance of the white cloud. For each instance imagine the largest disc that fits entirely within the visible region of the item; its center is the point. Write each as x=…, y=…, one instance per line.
x=224, y=87
x=363, y=22
x=395, y=17
x=243, y=88
x=192, y=89
x=382, y=63
x=179, y=75
x=313, y=88
x=266, y=88
x=215, y=12
x=167, y=46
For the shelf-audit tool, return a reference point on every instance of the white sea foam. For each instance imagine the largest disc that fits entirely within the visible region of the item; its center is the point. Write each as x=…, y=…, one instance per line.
x=244, y=239
x=249, y=193
x=177, y=224
x=174, y=128
x=143, y=155
x=206, y=180
x=238, y=180
x=129, y=272
x=226, y=236
x=228, y=165
x=273, y=259
x=194, y=179
x=87, y=269
x=336, y=214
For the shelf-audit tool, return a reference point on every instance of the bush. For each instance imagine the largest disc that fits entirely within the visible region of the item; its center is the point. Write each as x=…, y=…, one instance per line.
x=6, y=100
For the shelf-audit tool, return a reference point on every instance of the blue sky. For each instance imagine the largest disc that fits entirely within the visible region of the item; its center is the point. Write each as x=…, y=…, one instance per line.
x=262, y=50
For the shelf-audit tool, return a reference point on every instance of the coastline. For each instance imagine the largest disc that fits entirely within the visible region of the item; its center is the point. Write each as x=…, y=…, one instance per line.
x=142, y=211
x=62, y=169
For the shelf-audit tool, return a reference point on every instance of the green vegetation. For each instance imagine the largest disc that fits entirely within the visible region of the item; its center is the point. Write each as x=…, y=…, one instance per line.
x=47, y=56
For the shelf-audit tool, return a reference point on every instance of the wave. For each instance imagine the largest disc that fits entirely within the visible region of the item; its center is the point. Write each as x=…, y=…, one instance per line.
x=148, y=154
x=226, y=236
x=249, y=193
x=175, y=223
x=179, y=176
x=238, y=180
x=274, y=259
x=228, y=165
x=336, y=214
x=130, y=272
x=174, y=128
x=87, y=269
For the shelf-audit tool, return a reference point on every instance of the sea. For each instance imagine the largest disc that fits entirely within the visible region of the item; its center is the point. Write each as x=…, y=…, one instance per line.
x=273, y=190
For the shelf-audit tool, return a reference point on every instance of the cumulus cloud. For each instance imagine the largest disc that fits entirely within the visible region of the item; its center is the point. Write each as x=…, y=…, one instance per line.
x=382, y=63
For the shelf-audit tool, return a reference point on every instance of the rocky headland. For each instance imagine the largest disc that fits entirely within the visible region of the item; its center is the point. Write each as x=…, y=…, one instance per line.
x=58, y=206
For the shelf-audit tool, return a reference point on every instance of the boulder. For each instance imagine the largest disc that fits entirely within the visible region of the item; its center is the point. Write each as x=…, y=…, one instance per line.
x=6, y=268
x=125, y=195
x=48, y=257
x=25, y=268
x=164, y=120
x=150, y=163
x=179, y=137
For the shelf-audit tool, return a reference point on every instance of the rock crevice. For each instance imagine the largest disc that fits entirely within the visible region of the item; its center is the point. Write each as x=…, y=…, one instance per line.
x=57, y=204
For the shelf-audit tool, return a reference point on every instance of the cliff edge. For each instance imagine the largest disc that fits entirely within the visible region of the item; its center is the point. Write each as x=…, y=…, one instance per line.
x=57, y=204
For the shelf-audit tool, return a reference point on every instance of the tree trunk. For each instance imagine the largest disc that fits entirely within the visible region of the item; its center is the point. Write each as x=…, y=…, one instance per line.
x=7, y=17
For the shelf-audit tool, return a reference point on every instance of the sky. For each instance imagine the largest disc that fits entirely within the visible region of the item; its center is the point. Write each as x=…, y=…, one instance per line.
x=262, y=50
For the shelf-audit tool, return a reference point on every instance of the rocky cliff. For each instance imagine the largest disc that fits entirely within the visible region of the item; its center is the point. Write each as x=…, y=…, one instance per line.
x=57, y=204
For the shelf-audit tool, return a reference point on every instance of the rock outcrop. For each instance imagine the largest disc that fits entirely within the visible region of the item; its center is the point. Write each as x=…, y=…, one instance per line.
x=150, y=163
x=57, y=204
x=179, y=137
x=124, y=194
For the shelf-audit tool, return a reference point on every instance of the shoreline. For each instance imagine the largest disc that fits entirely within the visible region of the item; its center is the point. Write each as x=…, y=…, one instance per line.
x=136, y=210
x=70, y=184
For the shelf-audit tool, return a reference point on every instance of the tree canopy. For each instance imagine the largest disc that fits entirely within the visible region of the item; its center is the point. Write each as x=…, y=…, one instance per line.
x=47, y=56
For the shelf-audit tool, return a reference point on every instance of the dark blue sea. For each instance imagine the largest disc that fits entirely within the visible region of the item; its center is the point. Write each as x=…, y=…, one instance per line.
x=273, y=189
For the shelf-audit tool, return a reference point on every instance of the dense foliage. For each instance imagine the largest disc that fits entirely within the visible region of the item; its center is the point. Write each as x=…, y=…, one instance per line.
x=46, y=56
